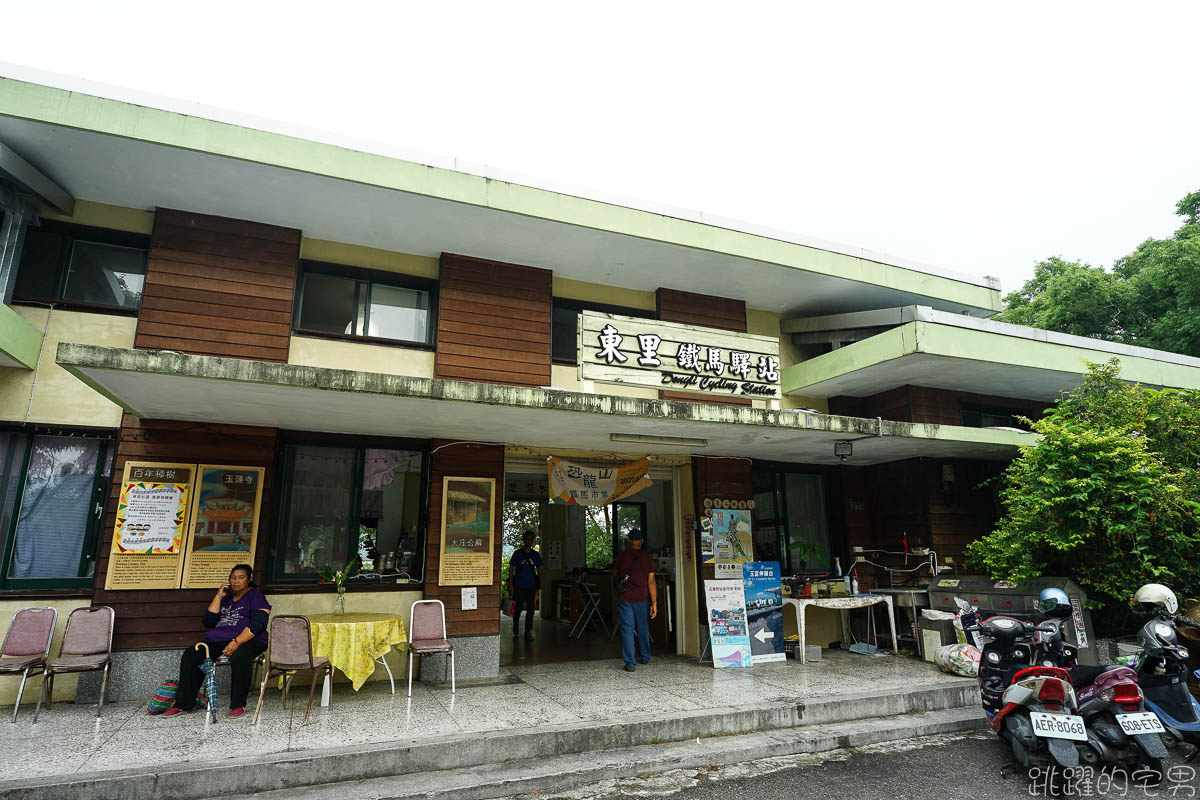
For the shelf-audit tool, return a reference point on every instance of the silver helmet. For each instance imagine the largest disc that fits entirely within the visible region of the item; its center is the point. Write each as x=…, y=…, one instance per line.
x=1053, y=602
x=1156, y=597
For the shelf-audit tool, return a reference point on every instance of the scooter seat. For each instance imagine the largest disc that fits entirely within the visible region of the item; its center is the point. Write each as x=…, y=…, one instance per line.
x=1083, y=675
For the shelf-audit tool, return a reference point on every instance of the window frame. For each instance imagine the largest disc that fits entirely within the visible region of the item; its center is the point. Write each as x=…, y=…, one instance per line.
x=834, y=528
x=288, y=441
x=359, y=275
x=981, y=409
x=101, y=492
x=84, y=233
x=585, y=305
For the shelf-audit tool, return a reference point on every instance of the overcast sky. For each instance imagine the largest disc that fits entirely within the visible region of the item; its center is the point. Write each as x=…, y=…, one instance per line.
x=977, y=137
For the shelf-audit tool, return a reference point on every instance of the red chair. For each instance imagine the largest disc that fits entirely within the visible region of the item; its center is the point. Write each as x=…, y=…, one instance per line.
x=427, y=634
x=86, y=647
x=27, y=645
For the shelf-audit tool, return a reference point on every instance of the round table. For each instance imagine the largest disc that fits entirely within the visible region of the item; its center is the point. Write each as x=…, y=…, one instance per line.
x=354, y=642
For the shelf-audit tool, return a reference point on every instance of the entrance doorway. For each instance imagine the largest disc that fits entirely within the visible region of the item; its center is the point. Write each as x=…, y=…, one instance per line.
x=577, y=545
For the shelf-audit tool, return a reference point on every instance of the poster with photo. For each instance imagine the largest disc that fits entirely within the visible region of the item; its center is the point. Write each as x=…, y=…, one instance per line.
x=764, y=610
x=727, y=630
x=224, y=523
x=468, y=525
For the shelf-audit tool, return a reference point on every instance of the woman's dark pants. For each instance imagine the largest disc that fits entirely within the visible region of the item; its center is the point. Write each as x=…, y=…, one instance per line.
x=191, y=677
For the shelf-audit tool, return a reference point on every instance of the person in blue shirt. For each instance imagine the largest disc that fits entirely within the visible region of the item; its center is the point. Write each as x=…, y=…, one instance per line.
x=524, y=579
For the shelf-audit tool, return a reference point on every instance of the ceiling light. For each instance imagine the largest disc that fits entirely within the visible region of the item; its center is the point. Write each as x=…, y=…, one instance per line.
x=642, y=438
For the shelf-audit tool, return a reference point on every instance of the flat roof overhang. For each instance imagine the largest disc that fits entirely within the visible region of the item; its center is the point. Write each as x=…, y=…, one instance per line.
x=947, y=351
x=20, y=342
x=134, y=153
x=167, y=385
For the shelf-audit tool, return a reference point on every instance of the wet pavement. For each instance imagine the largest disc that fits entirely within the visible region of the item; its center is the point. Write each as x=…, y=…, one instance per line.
x=68, y=739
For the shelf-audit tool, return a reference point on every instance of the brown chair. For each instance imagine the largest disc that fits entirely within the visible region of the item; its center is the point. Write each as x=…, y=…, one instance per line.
x=27, y=645
x=86, y=647
x=289, y=650
x=427, y=634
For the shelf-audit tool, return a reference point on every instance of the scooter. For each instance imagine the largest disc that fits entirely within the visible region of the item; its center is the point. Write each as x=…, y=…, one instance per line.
x=1120, y=730
x=1032, y=707
x=1162, y=670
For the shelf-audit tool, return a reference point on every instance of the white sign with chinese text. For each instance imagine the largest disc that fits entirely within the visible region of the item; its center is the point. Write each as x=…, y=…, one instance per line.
x=672, y=356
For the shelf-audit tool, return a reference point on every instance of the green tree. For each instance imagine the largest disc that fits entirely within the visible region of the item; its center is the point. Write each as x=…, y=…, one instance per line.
x=1107, y=497
x=1151, y=298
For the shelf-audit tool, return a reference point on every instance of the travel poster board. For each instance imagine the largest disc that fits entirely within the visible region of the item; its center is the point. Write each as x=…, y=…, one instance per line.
x=468, y=525
x=223, y=523
x=764, y=610
x=148, y=538
x=727, y=632
x=733, y=542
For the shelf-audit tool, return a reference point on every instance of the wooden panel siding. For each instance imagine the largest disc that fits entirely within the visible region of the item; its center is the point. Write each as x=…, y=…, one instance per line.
x=171, y=617
x=705, y=311
x=718, y=479
x=493, y=322
x=219, y=287
x=923, y=404
x=462, y=460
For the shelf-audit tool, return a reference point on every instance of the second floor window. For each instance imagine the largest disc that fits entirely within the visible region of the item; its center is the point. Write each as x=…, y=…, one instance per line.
x=85, y=267
x=347, y=305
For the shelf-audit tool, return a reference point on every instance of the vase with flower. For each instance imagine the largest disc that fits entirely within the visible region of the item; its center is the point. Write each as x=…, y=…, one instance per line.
x=338, y=577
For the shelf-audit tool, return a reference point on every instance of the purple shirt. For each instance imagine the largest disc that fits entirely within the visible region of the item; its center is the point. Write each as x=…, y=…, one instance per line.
x=234, y=617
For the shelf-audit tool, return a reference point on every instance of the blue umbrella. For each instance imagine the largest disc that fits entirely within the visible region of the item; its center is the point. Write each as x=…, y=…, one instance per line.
x=210, y=679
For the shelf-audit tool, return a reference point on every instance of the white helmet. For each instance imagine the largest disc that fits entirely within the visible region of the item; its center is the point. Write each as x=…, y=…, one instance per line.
x=1155, y=596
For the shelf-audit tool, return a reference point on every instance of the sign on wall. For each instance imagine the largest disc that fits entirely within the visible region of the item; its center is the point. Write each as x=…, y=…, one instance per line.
x=595, y=486
x=733, y=542
x=468, y=510
x=224, y=523
x=727, y=633
x=677, y=357
x=151, y=526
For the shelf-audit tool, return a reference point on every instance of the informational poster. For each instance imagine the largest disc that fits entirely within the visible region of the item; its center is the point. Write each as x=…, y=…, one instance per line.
x=727, y=630
x=706, y=538
x=596, y=486
x=468, y=525
x=733, y=541
x=764, y=609
x=148, y=539
x=224, y=523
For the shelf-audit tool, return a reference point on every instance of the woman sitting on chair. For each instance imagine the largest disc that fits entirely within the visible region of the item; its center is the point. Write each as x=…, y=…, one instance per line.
x=238, y=617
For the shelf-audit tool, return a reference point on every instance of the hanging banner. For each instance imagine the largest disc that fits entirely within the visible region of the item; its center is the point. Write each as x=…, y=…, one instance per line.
x=596, y=486
x=727, y=624
x=468, y=525
x=733, y=542
x=151, y=525
x=764, y=610
x=224, y=523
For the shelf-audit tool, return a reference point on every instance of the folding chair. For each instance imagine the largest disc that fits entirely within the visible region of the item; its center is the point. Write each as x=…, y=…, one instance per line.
x=86, y=647
x=27, y=645
x=289, y=649
x=427, y=635
x=590, y=613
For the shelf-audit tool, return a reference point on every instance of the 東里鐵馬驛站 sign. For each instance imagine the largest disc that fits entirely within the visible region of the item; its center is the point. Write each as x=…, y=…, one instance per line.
x=669, y=355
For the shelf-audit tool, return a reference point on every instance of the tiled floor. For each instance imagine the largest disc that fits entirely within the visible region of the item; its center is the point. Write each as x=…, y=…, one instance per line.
x=69, y=738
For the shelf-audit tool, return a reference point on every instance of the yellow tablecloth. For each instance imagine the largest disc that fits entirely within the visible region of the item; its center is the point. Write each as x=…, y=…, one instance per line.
x=352, y=642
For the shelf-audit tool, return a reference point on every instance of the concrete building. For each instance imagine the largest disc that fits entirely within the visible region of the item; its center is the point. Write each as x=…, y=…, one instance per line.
x=340, y=330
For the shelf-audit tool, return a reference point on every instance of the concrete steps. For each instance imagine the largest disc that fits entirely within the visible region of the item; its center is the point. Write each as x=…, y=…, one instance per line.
x=816, y=722
x=559, y=773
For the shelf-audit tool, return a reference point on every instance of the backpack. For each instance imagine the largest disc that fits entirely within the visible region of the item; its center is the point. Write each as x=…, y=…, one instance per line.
x=164, y=698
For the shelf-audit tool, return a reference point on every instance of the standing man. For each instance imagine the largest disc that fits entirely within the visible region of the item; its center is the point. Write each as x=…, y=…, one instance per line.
x=636, y=566
x=524, y=578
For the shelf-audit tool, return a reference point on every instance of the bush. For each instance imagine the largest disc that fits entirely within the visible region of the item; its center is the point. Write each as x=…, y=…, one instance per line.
x=1108, y=496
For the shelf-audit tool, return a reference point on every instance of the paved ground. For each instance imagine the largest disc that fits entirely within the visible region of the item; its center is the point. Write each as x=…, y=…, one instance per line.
x=70, y=740
x=946, y=767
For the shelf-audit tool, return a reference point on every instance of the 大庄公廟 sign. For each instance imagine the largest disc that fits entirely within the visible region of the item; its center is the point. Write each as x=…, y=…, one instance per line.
x=669, y=355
